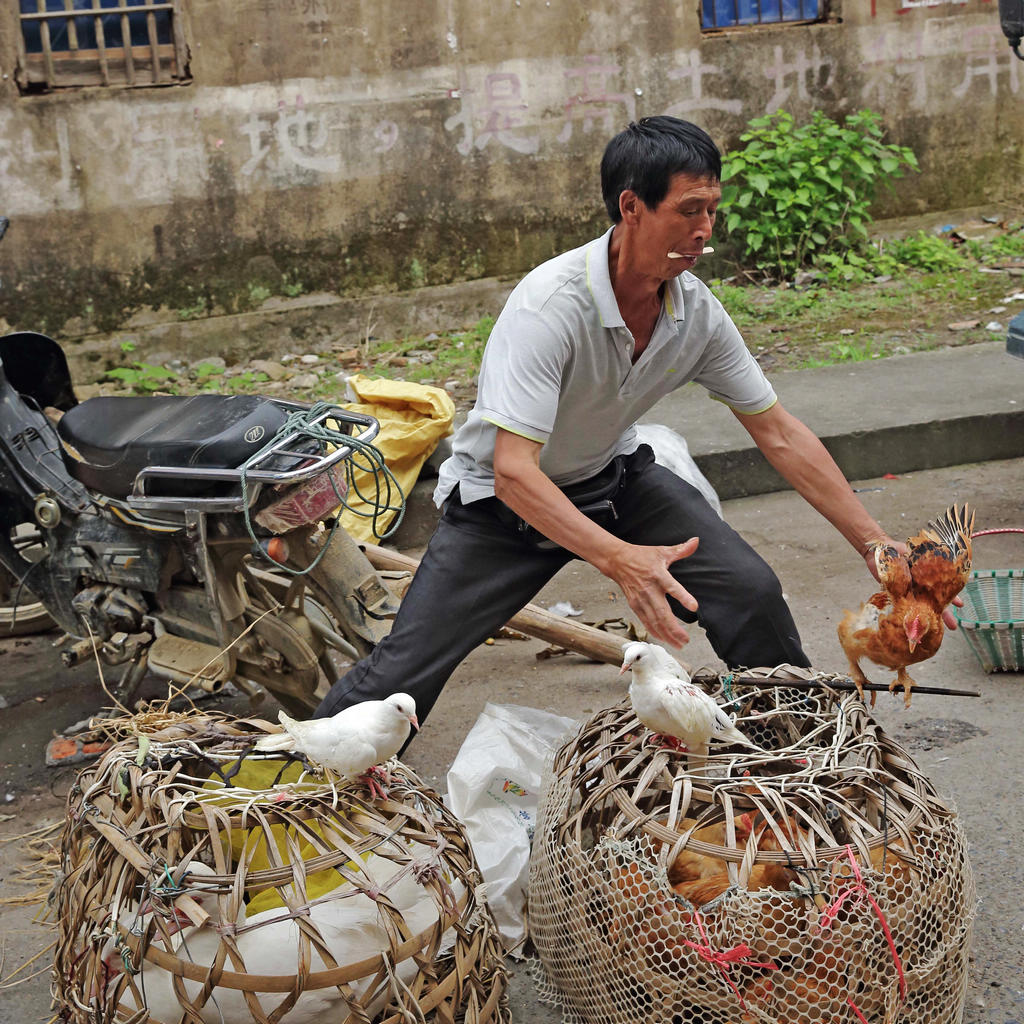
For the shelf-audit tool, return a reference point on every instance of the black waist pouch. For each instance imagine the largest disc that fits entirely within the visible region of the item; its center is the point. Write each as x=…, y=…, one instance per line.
x=594, y=497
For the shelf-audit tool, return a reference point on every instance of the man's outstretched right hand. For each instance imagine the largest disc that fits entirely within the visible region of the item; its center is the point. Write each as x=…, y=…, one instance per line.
x=642, y=573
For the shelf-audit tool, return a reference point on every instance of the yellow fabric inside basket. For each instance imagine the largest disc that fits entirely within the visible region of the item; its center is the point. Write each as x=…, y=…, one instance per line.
x=259, y=775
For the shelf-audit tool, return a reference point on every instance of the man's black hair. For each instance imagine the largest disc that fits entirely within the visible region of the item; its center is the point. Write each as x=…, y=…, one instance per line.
x=644, y=156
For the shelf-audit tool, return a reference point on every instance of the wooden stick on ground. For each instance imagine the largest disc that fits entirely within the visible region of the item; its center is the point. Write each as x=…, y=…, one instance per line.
x=533, y=620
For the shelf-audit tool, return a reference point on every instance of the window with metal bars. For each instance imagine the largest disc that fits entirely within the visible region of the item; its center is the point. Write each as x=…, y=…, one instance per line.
x=734, y=13
x=100, y=42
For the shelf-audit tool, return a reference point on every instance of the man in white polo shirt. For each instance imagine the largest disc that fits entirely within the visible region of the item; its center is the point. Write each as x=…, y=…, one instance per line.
x=548, y=466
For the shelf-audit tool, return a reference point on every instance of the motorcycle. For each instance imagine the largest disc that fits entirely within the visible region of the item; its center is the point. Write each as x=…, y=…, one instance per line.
x=192, y=537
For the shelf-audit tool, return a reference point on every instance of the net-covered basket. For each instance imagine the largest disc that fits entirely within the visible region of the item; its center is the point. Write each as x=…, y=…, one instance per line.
x=816, y=882
x=202, y=884
x=992, y=618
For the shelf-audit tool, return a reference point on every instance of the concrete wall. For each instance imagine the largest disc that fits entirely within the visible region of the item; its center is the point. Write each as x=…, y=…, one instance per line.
x=360, y=145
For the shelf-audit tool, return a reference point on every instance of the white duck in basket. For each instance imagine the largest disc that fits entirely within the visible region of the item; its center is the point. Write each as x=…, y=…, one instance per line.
x=352, y=928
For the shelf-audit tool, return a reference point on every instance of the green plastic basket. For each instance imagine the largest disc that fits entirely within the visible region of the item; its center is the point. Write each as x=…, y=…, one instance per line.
x=992, y=618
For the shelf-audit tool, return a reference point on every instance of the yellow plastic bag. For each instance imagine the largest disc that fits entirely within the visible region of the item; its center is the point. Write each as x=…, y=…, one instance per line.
x=259, y=775
x=289, y=843
x=413, y=419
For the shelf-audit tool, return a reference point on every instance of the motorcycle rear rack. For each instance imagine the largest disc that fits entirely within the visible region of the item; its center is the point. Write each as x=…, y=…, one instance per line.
x=256, y=477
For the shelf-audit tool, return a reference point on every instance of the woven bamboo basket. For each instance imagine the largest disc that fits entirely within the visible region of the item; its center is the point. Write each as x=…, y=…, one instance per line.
x=196, y=888
x=992, y=618
x=819, y=880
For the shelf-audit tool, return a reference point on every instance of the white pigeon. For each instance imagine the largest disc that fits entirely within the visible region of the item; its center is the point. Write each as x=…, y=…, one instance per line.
x=675, y=709
x=352, y=742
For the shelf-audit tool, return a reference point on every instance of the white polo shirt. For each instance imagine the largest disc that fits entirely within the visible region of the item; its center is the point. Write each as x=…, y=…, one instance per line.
x=558, y=369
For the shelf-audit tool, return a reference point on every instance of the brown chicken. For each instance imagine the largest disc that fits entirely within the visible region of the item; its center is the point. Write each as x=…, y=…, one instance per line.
x=689, y=865
x=701, y=882
x=783, y=996
x=901, y=625
x=645, y=915
x=762, y=876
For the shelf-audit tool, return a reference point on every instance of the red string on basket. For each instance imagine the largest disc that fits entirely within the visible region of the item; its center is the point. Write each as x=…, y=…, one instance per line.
x=859, y=889
x=723, y=960
x=860, y=1016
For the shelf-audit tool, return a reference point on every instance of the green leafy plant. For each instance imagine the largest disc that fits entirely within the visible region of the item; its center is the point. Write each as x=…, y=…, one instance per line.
x=852, y=267
x=144, y=377
x=848, y=352
x=1007, y=246
x=794, y=192
x=921, y=252
x=481, y=331
x=245, y=380
x=198, y=309
x=925, y=252
x=452, y=355
x=737, y=299
x=204, y=371
x=258, y=294
x=291, y=288
x=791, y=304
x=417, y=275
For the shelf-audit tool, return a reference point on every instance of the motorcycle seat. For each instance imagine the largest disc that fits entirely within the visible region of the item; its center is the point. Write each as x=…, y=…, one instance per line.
x=108, y=440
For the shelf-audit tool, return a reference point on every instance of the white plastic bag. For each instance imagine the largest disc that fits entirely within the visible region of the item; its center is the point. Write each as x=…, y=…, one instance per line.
x=493, y=789
x=672, y=452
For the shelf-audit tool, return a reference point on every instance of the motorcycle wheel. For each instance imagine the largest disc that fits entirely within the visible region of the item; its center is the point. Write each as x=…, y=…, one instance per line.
x=314, y=658
x=21, y=613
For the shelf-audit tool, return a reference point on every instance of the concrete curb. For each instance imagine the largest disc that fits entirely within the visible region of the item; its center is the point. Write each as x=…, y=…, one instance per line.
x=925, y=410
x=863, y=454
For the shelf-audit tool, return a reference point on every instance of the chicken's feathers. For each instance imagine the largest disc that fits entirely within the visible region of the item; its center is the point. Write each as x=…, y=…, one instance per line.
x=280, y=740
x=940, y=555
x=902, y=624
x=893, y=570
x=726, y=731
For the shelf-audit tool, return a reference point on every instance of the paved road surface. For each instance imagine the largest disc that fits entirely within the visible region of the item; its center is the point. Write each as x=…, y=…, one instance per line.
x=972, y=748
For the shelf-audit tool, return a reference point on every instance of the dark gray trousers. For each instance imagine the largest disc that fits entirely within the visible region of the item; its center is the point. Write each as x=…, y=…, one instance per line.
x=478, y=571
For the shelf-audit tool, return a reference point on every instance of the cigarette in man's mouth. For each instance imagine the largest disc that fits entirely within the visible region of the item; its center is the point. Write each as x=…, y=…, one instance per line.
x=706, y=251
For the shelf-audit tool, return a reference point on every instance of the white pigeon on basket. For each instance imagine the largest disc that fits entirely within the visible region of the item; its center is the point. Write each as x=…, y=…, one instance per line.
x=679, y=713
x=354, y=741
